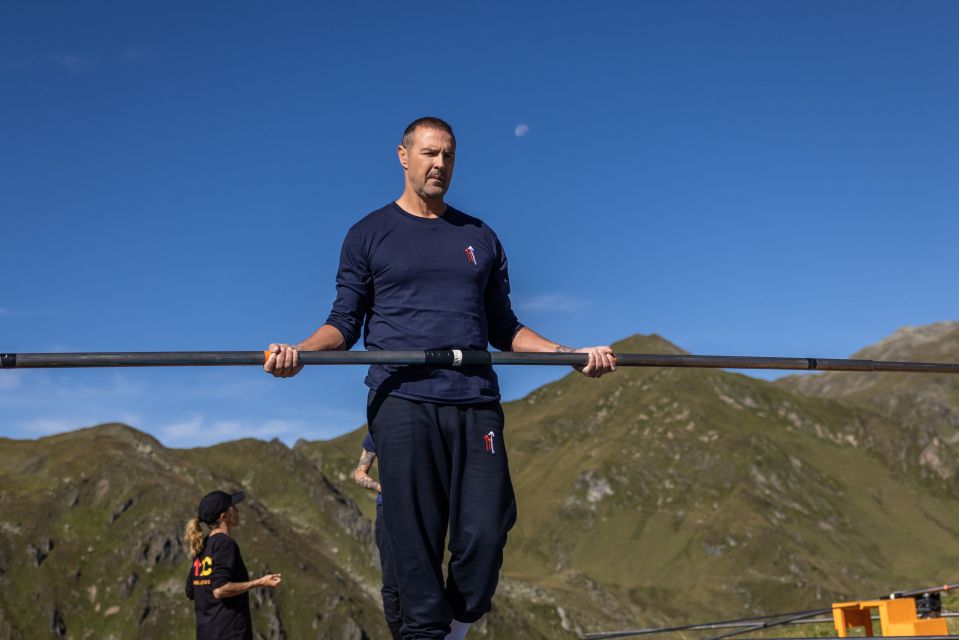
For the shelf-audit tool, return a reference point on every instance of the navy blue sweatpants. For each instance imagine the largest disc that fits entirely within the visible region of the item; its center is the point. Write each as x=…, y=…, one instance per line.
x=442, y=467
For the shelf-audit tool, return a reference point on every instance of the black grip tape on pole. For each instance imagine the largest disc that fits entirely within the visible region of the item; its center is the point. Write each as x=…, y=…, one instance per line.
x=440, y=358
x=813, y=364
x=451, y=358
x=8, y=361
x=477, y=357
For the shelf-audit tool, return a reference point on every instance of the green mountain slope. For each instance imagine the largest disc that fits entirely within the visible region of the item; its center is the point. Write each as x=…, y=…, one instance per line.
x=336, y=459
x=925, y=407
x=717, y=491
x=91, y=547
x=90, y=526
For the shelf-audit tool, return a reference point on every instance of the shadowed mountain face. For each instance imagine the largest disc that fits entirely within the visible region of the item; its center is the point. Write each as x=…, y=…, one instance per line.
x=649, y=496
x=924, y=407
x=90, y=541
x=91, y=546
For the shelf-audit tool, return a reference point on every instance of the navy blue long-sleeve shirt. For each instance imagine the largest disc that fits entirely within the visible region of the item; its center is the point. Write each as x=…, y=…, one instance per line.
x=425, y=283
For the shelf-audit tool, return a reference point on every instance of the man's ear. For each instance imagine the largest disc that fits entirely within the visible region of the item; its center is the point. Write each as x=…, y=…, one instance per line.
x=402, y=154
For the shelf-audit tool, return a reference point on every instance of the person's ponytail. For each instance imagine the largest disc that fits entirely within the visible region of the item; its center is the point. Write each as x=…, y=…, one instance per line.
x=193, y=537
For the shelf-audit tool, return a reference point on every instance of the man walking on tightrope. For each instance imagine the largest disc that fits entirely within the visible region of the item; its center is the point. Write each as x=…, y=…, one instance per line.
x=423, y=275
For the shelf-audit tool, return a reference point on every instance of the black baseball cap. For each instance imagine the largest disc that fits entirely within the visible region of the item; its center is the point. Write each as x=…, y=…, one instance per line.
x=215, y=503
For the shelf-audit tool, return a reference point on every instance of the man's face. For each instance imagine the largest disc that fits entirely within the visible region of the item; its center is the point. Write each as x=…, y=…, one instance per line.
x=429, y=162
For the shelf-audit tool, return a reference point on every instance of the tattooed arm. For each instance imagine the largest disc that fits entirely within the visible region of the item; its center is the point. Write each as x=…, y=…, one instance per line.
x=361, y=475
x=600, y=360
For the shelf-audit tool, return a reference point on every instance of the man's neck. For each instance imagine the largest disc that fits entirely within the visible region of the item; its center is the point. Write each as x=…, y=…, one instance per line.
x=416, y=205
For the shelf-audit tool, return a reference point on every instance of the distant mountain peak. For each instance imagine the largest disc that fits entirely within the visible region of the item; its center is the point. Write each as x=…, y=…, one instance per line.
x=909, y=341
x=923, y=405
x=646, y=343
x=938, y=342
x=113, y=430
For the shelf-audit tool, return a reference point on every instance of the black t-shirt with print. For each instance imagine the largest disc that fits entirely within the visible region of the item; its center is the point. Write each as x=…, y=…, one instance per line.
x=217, y=563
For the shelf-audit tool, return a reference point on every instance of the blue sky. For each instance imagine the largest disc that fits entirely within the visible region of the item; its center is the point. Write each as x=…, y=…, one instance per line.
x=749, y=178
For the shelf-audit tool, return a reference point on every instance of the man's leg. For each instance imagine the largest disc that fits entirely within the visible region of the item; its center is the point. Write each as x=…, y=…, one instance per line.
x=414, y=472
x=482, y=510
x=389, y=591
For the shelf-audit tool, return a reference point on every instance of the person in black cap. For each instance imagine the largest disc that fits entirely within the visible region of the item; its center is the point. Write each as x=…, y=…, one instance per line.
x=218, y=581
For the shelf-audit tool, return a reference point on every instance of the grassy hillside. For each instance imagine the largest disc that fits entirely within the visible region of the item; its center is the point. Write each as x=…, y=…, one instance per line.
x=717, y=491
x=925, y=407
x=91, y=547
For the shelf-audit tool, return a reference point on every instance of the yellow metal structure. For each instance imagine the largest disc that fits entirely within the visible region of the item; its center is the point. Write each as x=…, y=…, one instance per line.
x=897, y=617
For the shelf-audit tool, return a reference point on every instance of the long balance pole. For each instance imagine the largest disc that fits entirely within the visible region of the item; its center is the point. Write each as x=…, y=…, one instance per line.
x=453, y=358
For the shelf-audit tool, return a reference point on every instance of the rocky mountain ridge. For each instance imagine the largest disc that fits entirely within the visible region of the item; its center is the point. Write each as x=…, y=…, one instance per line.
x=925, y=406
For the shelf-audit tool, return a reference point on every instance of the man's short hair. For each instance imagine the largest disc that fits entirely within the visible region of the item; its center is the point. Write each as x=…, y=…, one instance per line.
x=429, y=122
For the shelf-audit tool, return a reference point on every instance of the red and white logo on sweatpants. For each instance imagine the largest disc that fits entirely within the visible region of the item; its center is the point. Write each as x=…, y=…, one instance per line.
x=470, y=255
x=488, y=439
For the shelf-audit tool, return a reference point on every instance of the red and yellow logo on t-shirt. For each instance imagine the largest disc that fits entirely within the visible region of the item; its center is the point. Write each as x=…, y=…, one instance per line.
x=201, y=569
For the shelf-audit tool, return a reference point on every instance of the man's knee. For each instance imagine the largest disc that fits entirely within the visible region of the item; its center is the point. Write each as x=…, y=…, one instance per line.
x=470, y=602
x=481, y=539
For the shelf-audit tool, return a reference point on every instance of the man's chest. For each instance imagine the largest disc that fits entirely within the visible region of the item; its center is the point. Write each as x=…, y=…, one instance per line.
x=432, y=257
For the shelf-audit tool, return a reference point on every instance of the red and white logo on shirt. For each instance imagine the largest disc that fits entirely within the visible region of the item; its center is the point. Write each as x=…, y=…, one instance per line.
x=470, y=255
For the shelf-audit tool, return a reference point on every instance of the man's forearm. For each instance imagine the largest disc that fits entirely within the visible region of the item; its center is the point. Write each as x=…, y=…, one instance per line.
x=363, y=479
x=528, y=341
x=282, y=362
x=326, y=338
x=599, y=360
x=361, y=475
